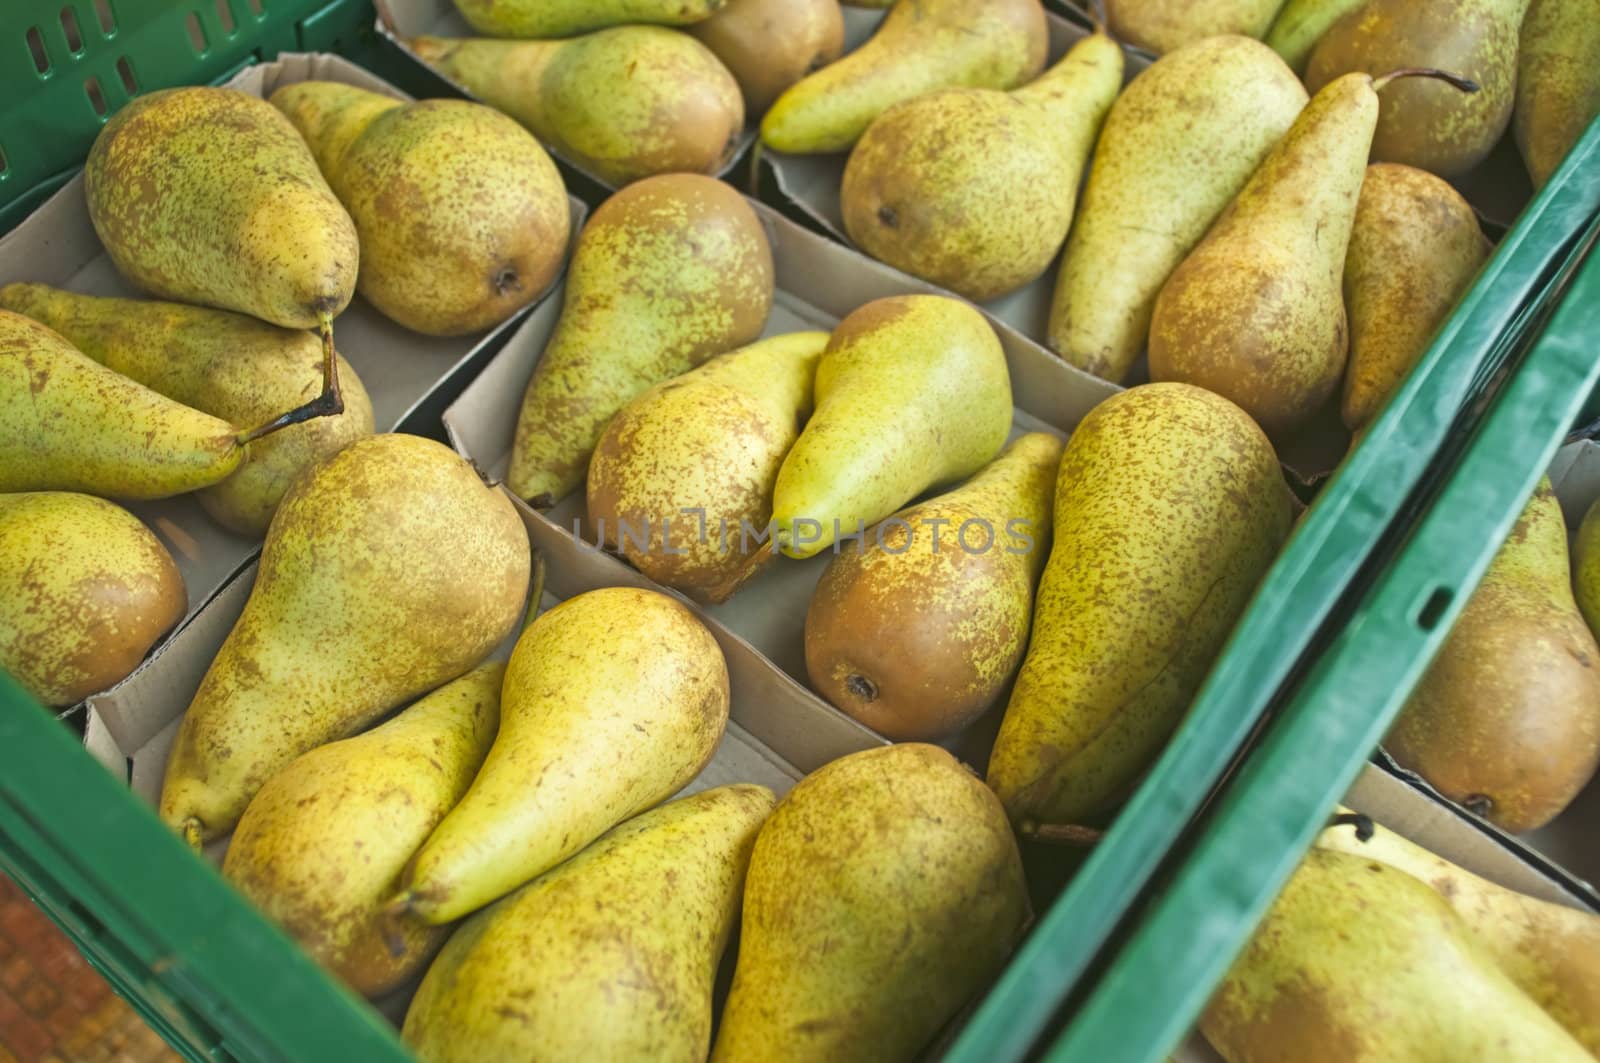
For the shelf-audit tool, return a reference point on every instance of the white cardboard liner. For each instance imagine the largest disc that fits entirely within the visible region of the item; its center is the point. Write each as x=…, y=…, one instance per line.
x=439, y=18
x=57, y=245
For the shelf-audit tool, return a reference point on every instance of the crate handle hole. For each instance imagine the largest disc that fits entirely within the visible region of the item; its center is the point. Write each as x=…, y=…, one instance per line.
x=225, y=16
x=255, y=7
x=69, y=26
x=102, y=12
x=2, y=162
x=197, y=32
x=97, y=99
x=41, y=58
x=1432, y=609
x=130, y=84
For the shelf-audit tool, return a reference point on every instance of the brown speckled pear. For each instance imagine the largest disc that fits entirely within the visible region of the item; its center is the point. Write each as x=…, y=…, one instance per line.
x=922, y=45
x=1256, y=311
x=1169, y=508
x=322, y=846
x=231, y=366
x=1162, y=26
x=1558, y=82
x=68, y=423
x=669, y=272
x=1423, y=123
x=562, y=18
x=1550, y=950
x=1586, y=568
x=1300, y=25
x=85, y=591
x=463, y=217
x=611, y=956
x=1179, y=143
x=884, y=893
x=912, y=392
x=613, y=701
x=622, y=103
x=974, y=189
x=209, y=196
x=1358, y=962
x=389, y=568
x=769, y=45
x=916, y=632
x=681, y=482
x=1506, y=720
x=1414, y=248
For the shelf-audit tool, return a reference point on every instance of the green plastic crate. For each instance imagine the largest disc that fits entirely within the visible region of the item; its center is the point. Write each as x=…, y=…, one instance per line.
x=1332, y=720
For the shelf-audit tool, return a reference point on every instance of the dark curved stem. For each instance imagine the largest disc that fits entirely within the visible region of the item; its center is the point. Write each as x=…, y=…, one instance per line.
x=328, y=404
x=535, y=591
x=1464, y=84
x=1064, y=834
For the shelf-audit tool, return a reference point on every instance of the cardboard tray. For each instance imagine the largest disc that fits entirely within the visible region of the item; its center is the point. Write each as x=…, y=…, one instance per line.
x=400, y=369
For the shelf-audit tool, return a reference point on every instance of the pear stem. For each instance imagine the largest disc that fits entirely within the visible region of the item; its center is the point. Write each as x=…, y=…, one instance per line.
x=1363, y=824
x=755, y=169
x=1061, y=834
x=327, y=404
x=192, y=833
x=1096, y=10
x=535, y=591
x=1464, y=84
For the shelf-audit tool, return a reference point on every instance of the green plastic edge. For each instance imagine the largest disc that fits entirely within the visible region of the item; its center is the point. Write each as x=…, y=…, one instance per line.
x=1275, y=806
x=1311, y=576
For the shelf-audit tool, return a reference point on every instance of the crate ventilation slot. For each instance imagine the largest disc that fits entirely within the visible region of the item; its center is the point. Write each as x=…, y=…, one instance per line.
x=225, y=16
x=97, y=98
x=1432, y=609
x=41, y=58
x=69, y=27
x=102, y=12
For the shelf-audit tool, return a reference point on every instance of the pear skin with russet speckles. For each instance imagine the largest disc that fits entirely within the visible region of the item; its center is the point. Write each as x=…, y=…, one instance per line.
x=1162, y=26
x=1558, y=82
x=562, y=18
x=769, y=45
x=1169, y=508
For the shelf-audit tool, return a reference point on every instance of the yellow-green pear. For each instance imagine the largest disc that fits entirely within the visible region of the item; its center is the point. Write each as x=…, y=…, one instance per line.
x=562, y=18
x=322, y=846
x=1414, y=248
x=974, y=189
x=1169, y=508
x=669, y=272
x=884, y=892
x=681, y=482
x=922, y=45
x=1300, y=24
x=769, y=45
x=1550, y=950
x=1558, y=82
x=231, y=366
x=389, y=568
x=912, y=392
x=1423, y=123
x=207, y=195
x=462, y=216
x=1179, y=143
x=85, y=591
x=1506, y=720
x=611, y=955
x=613, y=701
x=1256, y=311
x=1359, y=962
x=916, y=631
x=1162, y=26
x=623, y=103
x=1586, y=567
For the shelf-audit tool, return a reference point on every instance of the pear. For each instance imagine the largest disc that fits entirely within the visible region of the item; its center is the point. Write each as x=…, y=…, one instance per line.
x=1415, y=245
x=1558, y=82
x=1358, y=962
x=974, y=189
x=623, y=103
x=768, y=45
x=562, y=18
x=1188, y=489
x=1300, y=25
x=916, y=632
x=610, y=956
x=1550, y=950
x=389, y=569
x=1506, y=720
x=322, y=846
x=884, y=892
x=85, y=591
x=462, y=216
x=669, y=271
x=1179, y=143
x=1162, y=26
x=683, y=475
x=1256, y=311
x=228, y=365
x=1430, y=126
x=209, y=196
x=912, y=392
x=613, y=701
x=1586, y=567
x=921, y=46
